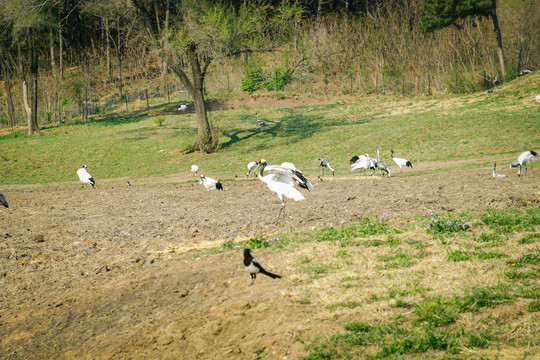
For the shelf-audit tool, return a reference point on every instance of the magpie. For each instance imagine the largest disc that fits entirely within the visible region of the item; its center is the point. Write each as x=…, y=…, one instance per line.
x=253, y=267
x=3, y=200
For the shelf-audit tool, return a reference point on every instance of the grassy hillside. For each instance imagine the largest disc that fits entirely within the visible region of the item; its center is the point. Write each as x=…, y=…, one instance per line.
x=435, y=133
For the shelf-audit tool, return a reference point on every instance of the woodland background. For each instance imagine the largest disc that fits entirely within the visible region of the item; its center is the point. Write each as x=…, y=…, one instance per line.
x=91, y=61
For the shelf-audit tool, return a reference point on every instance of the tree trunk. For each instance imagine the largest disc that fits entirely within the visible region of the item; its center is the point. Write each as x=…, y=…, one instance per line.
x=318, y=23
x=164, y=69
x=33, y=127
x=51, y=44
x=205, y=141
x=9, y=99
x=27, y=108
x=498, y=35
x=120, y=85
x=108, y=46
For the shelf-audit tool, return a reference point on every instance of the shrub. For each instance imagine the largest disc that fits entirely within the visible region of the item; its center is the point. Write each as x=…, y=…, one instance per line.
x=159, y=120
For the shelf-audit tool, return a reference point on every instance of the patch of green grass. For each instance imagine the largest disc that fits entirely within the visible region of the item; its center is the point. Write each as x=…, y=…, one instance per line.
x=347, y=232
x=399, y=260
x=316, y=270
x=530, y=258
x=348, y=304
x=529, y=239
x=446, y=225
x=459, y=255
x=488, y=255
x=488, y=238
x=436, y=311
x=512, y=220
x=525, y=267
x=534, y=306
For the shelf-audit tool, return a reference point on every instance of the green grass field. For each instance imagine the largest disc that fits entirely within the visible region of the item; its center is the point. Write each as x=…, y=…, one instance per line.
x=440, y=131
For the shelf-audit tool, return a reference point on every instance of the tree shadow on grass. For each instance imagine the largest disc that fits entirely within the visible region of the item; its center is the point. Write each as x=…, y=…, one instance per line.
x=293, y=127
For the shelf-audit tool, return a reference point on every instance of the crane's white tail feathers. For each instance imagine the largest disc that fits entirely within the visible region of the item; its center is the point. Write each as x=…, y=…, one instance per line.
x=286, y=190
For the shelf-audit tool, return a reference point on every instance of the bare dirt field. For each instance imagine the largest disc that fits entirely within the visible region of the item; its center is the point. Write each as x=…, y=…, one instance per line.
x=102, y=273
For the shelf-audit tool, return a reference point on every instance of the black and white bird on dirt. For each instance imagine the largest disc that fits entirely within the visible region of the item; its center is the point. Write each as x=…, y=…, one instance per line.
x=210, y=184
x=85, y=177
x=362, y=162
x=252, y=166
x=400, y=161
x=3, y=201
x=253, y=267
x=523, y=159
x=261, y=123
x=325, y=164
x=282, y=179
x=495, y=175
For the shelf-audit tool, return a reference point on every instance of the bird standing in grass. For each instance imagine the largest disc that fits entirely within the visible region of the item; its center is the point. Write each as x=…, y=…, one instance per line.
x=523, y=159
x=324, y=164
x=400, y=161
x=3, y=200
x=282, y=179
x=182, y=107
x=210, y=184
x=252, y=166
x=495, y=175
x=261, y=123
x=85, y=177
x=253, y=267
x=194, y=169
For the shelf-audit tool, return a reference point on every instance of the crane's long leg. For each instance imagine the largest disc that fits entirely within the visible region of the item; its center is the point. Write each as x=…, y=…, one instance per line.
x=280, y=210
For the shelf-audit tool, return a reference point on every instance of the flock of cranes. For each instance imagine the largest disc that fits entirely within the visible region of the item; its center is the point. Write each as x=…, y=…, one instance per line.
x=283, y=179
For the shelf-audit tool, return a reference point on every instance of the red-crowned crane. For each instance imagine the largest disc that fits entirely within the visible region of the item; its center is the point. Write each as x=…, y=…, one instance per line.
x=194, y=169
x=323, y=163
x=523, y=159
x=362, y=162
x=3, y=200
x=400, y=161
x=382, y=166
x=495, y=175
x=210, y=184
x=85, y=177
x=252, y=166
x=282, y=179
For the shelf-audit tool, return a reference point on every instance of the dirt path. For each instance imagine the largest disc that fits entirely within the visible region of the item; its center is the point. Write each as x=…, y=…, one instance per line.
x=96, y=273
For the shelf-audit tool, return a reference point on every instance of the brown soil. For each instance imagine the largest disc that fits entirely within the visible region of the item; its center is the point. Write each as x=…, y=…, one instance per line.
x=103, y=274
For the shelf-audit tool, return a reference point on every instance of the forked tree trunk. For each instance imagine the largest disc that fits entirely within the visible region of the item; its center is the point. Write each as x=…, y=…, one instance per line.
x=205, y=141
